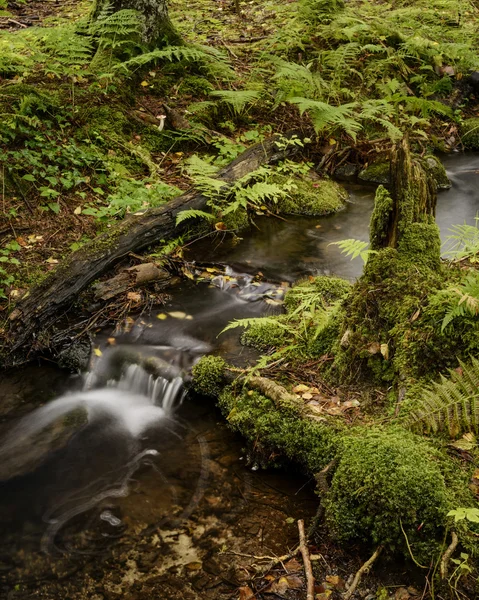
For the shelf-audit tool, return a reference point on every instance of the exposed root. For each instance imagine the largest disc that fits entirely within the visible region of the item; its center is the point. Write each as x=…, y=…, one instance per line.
x=362, y=571
x=306, y=561
x=447, y=554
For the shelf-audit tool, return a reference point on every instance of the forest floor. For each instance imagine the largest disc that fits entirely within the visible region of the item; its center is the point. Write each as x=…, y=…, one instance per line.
x=42, y=224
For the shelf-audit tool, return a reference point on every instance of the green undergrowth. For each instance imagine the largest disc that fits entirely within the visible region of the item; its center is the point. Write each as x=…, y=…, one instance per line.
x=390, y=487
x=310, y=324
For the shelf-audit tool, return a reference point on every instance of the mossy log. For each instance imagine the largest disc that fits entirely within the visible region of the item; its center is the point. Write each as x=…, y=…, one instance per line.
x=59, y=291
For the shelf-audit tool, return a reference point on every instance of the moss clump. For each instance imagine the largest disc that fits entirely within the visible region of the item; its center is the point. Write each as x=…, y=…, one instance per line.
x=329, y=290
x=470, y=133
x=271, y=429
x=208, y=375
x=382, y=214
x=388, y=481
x=266, y=335
x=307, y=197
x=237, y=220
x=437, y=171
x=377, y=172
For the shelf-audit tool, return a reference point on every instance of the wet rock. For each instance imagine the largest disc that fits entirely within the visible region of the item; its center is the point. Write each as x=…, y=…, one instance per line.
x=435, y=168
x=75, y=356
x=470, y=134
x=377, y=173
x=21, y=455
x=346, y=172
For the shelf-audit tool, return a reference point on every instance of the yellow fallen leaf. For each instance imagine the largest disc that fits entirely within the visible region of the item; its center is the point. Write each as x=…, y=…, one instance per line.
x=111, y=341
x=77, y=210
x=52, y=261
x=134, y=296
x=161, y=316
x=97, y=352
x=298, y=389
x=177, y=314
x=144, y=83
x=189, y=318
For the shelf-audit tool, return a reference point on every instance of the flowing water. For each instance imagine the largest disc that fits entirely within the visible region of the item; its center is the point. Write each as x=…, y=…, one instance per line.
x=115, y=485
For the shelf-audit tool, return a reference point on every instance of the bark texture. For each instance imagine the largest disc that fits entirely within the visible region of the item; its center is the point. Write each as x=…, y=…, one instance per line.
x=157, y=27
x=61, y=288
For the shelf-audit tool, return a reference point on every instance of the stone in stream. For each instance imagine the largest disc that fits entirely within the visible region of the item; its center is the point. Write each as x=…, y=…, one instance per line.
x=19, y=456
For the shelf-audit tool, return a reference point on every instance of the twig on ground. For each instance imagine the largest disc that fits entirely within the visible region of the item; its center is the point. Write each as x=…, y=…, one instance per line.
x=447, y=554
x=306, y=561
x=362, y=571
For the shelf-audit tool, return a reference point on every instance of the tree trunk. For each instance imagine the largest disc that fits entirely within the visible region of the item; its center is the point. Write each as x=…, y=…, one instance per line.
x=157, y=28
x=61, y=288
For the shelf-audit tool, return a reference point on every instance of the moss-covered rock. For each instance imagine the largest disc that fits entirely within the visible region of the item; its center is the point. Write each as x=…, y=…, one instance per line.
x=208, y=375
x=264, y=335
x=379, y=172
x=389, y=486
x=470, y=133
x=310, y=197
x=436, y=169
x=376, y=172
x=236, y=220
x=328, y=289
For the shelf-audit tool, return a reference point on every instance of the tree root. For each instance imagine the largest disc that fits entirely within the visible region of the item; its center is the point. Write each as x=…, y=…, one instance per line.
x=447, y=554
x=362, y=571
x=306, y=561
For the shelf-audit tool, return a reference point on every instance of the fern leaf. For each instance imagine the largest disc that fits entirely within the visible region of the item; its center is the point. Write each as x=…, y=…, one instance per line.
x=354, y=248
x=451, y=405
x=237, y=99
x=253, y=321
x=193, y=214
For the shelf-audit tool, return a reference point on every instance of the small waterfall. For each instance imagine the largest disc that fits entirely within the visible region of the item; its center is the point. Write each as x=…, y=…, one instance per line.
x=130, y=404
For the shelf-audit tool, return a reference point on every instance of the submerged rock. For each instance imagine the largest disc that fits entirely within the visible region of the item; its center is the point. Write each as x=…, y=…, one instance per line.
x=22, y=454
x=377, y=172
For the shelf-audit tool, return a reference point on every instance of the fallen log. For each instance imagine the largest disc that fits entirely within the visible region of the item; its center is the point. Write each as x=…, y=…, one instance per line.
x=25, y=333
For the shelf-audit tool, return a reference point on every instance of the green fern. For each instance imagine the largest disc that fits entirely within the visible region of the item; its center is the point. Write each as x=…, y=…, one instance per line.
x=236, y=99
x=354, y=248
x=326, y=116
x=245, y=323
x=464, y=301
x=451, y=405
x=192, y=213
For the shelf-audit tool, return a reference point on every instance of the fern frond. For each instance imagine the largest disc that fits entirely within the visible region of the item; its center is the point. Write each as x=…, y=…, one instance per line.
x=451, y=405
x=193, y=214
x=171, y=54
x=324, y=115
x=354, y=248
x=254, y=321
x=237, y=99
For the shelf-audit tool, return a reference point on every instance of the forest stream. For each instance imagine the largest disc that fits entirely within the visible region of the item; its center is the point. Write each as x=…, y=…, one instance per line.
x=149, y=495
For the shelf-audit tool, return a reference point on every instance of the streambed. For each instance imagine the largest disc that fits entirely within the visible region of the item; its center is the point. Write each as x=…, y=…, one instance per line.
x=172, y=509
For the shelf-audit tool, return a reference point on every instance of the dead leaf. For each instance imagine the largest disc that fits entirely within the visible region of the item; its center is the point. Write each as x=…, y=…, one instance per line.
x=161, y=316
x=220, y=226
x=385, y=351
x=111, y=341
x=52, y=261
x=285, y=583
x=77, y=210
x=177, y=314
x=293, y=565
x=415, y=315
x=307, y=396
x=374, y=348
x=246, y=593
x=298, y=389
x=134, y=296
x=350, y=404
x=97, y=352
x=337, y=582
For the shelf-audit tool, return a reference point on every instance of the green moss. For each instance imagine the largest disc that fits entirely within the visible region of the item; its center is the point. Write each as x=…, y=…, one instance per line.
x=380, y=219
x=437, y=171
x=387, y=481
x=470, y=133
x=376, y=172
x=271, y=430
x=237, y=220
x=420, y=246
x=264, y=336
x=208, y=375
x=308, y=197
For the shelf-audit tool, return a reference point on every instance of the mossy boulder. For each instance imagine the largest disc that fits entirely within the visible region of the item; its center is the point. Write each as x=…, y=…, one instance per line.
x=389, y=486
x=379, y=172
x=470, y=133
x=376, y=172
x=208, y=376
x=311, y=197
x=328, y=289
x=436, y=169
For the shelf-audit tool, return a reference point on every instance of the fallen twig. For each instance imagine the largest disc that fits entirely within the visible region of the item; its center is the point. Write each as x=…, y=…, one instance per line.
x=447, y=554
x=306, y=561
x=362, y=571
